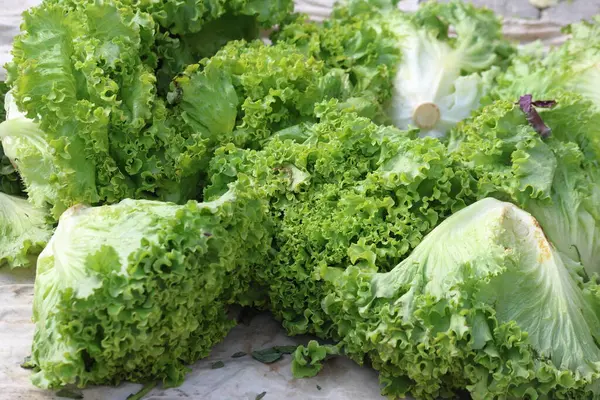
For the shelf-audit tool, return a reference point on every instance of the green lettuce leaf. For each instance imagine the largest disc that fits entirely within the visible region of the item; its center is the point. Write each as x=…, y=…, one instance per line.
x=26, y=148
x=308, y=360
x=556, y=179
x=249, y=91
x=139, y=290
x=199, y=28
x=24, y=231
x=485, y=302
x=355, y=38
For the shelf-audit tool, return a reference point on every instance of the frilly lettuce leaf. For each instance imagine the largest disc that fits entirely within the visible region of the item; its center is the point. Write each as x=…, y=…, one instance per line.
x=199, y=28
x=307, y=361
x=355, y=38
x=249, y=91
x=75, y=90
x=186, y=31
x=182, y=17
x=24, y=231
x=26, y=148
x=474, y=32
x=485, y=302
x=139, y=290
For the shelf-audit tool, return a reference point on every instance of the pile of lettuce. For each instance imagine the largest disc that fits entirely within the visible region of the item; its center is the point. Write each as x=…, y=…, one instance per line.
x=410, y=187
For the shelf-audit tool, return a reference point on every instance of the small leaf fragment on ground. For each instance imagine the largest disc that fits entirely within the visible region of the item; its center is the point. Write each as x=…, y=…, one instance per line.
x=217, y=365
x=27, y=363
x=239, y=354
x=260, y=396
x=267, y=356
x=143, y=391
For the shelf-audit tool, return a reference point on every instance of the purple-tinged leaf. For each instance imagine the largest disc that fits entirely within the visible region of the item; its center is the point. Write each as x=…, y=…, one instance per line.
x=544, y=103
x=535, y=120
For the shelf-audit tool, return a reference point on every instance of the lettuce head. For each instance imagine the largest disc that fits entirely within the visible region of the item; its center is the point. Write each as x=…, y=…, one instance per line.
x=485, y=303
x=104, y=122
x=342, y=191
x=429, y=69
x=557, y=179
x=140, y=289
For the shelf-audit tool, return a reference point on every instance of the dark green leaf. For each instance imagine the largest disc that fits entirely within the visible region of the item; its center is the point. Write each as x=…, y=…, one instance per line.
x=260, y=396
x=285, y=349
x=535, y=120
x=318, y=387
x=267, y=356
x=70, y=394
x=143, y=391
x=217, y=365
x=238, y=354
x=3, y=90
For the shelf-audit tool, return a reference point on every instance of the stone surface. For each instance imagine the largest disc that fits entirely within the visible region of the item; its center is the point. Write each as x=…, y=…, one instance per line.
x=508, y=8
x=566, y=12
x=524, y=20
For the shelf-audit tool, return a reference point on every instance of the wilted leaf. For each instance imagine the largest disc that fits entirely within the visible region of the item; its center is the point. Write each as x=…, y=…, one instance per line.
x=267, y=356
x=217, y=365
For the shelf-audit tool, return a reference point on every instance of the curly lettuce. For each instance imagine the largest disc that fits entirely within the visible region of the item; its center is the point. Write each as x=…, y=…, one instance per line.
x=185, y=31
x=484, y=303
x=441, y=77
x=138, y=290
x=26, y=149
x=109, y=129
x=249, y=91
x=356, y=39
x=343, y=191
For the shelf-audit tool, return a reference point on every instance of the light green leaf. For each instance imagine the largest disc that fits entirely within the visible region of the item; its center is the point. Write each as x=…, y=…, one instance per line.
x=24, y=231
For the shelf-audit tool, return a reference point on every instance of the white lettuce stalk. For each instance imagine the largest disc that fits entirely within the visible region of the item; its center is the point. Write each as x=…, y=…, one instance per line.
x=442, y=76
